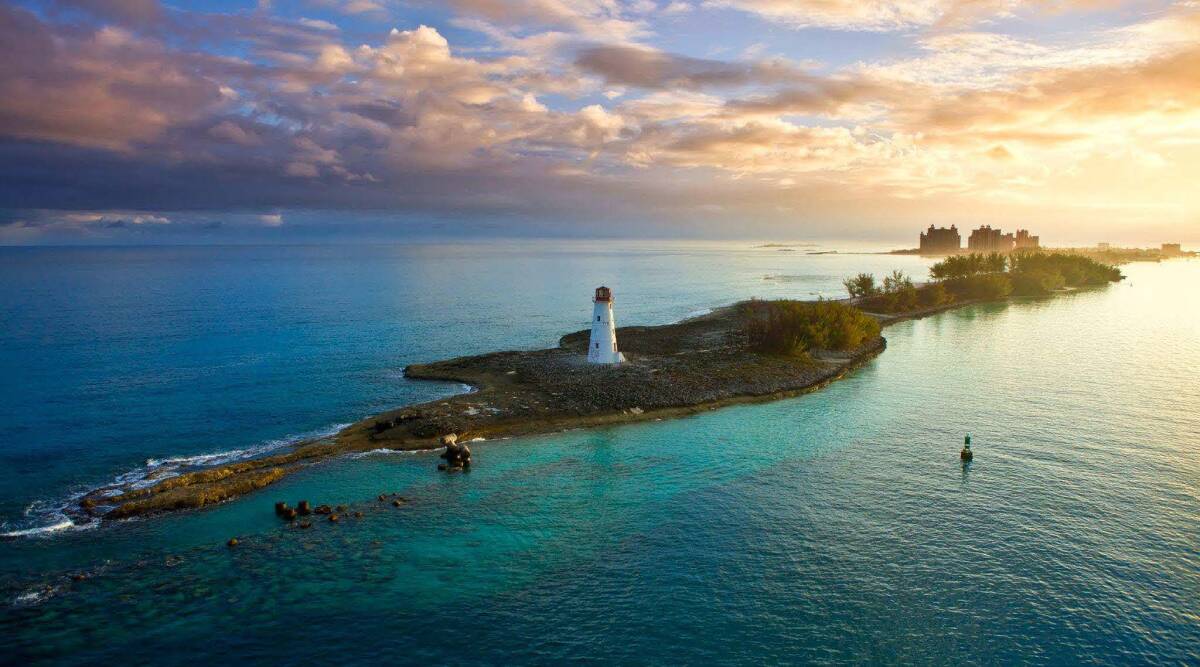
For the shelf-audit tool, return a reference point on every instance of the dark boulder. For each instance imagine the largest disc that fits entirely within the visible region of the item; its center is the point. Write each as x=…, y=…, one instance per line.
x=457, y=456
x=303, y=508
x=281, y=508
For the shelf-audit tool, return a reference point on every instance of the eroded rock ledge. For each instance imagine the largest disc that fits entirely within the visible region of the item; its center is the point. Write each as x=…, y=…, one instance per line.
x=672, y=370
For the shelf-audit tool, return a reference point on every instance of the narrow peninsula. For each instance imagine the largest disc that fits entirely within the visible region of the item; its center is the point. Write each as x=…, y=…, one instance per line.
x=746, y=352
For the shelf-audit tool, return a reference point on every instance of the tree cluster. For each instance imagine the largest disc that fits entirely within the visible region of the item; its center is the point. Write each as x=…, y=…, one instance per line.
x=793, y=328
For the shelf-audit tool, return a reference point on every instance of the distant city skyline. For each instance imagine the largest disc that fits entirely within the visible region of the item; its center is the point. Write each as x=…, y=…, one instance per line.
x=231, y=121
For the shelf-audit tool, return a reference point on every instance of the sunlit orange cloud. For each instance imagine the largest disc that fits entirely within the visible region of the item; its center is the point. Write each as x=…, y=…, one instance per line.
x=572, y=113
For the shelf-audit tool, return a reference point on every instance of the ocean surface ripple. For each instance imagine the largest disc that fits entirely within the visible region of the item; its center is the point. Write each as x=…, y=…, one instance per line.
x=837, y=527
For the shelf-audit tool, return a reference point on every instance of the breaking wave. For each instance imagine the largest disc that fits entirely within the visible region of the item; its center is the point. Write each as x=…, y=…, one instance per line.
x=44, y=518
x=384, y=451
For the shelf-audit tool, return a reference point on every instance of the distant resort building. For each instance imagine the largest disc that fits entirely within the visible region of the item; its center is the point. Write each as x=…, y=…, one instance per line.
x=1172, y=249
x=941, y=241
x=986, y=239
x=1024, y=241
x=947, y=241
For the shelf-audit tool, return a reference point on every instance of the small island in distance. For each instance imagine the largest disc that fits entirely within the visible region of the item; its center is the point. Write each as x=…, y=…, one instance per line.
x=749, y=351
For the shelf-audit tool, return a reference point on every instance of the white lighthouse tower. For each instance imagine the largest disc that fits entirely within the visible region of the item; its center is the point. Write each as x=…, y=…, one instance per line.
x=602, y=347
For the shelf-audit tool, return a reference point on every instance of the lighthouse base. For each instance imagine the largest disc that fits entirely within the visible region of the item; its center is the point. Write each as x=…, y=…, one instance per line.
x=607, y=359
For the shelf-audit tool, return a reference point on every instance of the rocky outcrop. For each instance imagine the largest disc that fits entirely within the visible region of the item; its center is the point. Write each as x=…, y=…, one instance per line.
x=457, y=456
x=192, y=496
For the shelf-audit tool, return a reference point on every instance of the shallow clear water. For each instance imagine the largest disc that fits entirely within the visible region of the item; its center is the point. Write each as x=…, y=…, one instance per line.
x=837, y=526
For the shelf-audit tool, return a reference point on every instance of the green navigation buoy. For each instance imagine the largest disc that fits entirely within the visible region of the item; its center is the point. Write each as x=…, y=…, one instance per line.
x=966, y=454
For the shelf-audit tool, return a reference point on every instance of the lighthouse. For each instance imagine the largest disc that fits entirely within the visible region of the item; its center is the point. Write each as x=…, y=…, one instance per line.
x=602, y=346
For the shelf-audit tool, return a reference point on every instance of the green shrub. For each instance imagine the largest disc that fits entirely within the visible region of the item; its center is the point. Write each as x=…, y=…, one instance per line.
x=1037, y=282
x=982, y=286
x=1076, y=270
x=897, y=295
x=961, y=266
x=793, y=328
x=901, y=300
x=934, y=294
x=862, y=285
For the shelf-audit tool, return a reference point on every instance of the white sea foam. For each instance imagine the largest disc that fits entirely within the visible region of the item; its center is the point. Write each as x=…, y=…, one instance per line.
x=51, y=517
x=384, y=451
x=34, y=597
x=65, y=524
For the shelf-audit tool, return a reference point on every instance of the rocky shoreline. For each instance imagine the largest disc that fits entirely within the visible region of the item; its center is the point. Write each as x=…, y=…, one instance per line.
x=672, y=370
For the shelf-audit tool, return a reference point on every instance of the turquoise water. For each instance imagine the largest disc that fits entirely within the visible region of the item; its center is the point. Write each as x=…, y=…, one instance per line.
x=833, y=527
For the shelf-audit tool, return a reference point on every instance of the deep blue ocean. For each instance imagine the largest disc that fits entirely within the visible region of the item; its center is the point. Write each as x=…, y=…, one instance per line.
x=830, y=528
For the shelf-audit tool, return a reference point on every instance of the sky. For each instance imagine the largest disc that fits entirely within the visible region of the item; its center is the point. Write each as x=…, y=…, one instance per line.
x=140, y=121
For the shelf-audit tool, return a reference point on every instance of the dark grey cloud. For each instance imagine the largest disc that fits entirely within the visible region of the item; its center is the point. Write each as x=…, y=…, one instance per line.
x=128, y=12
x=650, y=68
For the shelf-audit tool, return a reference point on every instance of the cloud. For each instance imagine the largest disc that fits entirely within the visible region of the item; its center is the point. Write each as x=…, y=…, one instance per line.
x=650, y=68
x=842, y=14
x=106, y=88
x=890, y=15
x=130, y=12
x=607, y=20
x=111, y=218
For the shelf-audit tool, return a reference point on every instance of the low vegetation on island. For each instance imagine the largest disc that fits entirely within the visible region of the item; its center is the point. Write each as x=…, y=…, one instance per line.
x=793, y=328
x=980, y=277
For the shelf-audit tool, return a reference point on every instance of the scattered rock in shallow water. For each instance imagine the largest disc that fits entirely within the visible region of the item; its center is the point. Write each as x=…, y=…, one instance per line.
x=281, y=508
x=358, y=515
x=303, y=508
x=78, y=576
x=333, y=518
x=233, y=542
x=323, y=509
x=382, y=497
x=290, y=514
x=341, y=508
x=457, y=456
x=396, y=503
x=304, y=524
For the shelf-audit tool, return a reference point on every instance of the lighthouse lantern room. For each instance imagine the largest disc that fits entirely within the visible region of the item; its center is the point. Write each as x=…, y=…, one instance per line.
x=602, y=346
